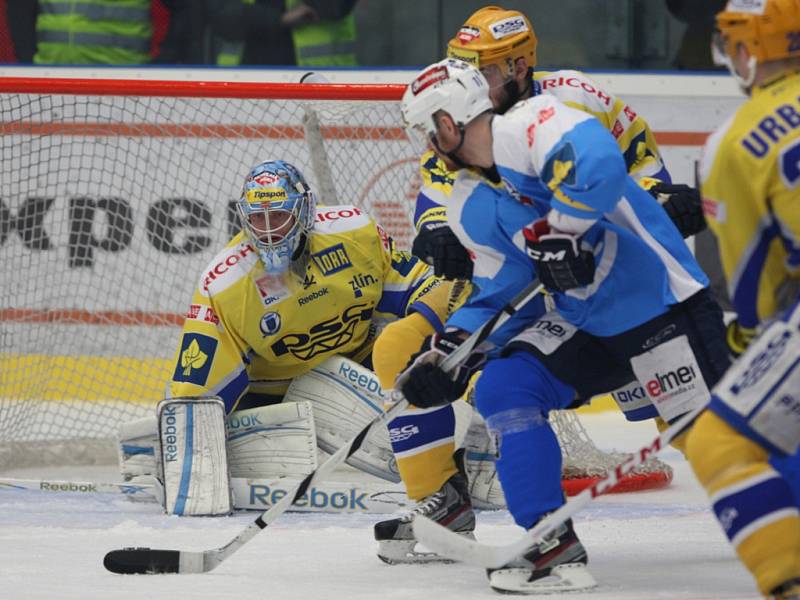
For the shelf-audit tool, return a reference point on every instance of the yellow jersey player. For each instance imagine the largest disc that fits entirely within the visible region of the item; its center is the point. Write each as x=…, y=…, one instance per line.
x=301, y=283
x=744, y=446
x=502, y=43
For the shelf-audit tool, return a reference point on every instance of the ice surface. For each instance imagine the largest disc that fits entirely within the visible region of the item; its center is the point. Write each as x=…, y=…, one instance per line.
x=650, y=545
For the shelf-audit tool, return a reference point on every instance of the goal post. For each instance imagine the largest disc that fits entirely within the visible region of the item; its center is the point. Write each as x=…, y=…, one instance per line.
x=113, y=196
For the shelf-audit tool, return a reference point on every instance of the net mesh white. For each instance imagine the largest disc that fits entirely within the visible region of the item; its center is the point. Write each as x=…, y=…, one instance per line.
x=110, y=206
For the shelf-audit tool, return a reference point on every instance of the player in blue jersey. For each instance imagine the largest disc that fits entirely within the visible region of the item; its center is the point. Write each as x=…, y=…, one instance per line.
x=744, y=446
x=502, y=44
x=628, y=299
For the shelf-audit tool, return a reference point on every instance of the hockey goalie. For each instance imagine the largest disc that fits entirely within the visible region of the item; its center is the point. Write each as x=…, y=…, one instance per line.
x=273, y=361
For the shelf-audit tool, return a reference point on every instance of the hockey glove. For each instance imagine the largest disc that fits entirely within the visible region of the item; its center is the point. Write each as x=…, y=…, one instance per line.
x=438, y=246
x=425, y=384
x=560, y=262
x=683, y=205
x=738, y=338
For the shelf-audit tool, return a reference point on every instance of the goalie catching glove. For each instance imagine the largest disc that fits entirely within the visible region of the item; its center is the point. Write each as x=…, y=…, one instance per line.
x=438, y=246
x=425, y=384
x=560, y=261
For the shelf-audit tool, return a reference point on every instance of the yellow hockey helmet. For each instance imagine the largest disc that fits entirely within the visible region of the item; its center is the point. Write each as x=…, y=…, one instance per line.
x=769, y=29
x=495, y=36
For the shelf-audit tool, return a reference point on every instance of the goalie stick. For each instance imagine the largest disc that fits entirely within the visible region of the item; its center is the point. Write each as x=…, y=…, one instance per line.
x=148, y=561
x=364, y=497
x=142, y=492
x=459, y=548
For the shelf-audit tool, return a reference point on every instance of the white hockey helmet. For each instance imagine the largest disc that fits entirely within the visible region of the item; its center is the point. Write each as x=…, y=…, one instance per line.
x=451, y=85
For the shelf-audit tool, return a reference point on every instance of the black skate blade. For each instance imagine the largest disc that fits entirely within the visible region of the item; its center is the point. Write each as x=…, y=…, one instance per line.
x=142, y=561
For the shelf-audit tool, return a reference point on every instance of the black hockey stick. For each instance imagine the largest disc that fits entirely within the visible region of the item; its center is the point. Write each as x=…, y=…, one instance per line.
x=147, y=561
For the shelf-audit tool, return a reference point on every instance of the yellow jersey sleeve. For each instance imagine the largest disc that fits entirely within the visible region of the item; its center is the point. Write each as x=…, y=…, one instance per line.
x=749, y=182
x=633, y=135
x=436, y=185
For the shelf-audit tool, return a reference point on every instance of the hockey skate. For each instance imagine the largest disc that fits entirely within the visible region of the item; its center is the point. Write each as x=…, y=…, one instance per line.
x=557, y=564
x=450, y=506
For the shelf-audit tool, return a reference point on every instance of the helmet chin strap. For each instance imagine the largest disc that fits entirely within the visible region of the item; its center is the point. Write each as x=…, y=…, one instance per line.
x=452, y=154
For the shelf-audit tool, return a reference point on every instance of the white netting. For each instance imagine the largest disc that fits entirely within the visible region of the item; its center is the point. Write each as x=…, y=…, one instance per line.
x=110, y=205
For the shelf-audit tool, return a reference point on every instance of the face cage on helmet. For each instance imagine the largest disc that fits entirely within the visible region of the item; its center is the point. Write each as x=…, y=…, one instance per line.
x=277, y=254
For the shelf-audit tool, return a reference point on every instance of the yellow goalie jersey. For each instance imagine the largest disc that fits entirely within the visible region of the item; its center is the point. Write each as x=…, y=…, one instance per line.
x=247, y=334
x=636, y=141
x=750, y=174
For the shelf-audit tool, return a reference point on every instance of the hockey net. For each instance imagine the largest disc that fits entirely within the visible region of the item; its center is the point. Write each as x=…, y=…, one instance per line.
x=114, y=193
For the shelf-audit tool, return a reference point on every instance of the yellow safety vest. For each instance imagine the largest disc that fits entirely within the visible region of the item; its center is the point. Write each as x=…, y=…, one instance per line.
x=326, y=43
x=116, y=32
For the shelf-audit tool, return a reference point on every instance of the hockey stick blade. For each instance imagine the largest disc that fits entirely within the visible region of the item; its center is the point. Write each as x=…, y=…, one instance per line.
x=131, y=561
x=459, y=548
x=148, y=561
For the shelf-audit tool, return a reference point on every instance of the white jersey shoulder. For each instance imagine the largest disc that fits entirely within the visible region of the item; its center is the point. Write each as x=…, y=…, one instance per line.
x=576, y=87
x=340, y=218
x=230, y=265
x=525, y=135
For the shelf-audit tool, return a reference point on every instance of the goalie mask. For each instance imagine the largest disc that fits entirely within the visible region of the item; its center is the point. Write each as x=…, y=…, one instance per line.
x=277, y=210
x=767, y=28
x=449, y=85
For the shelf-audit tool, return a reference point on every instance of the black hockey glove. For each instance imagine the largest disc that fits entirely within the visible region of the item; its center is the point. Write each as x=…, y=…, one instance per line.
x=683, y=205
x=437, y=245
x=425, y=384
x=560, y=261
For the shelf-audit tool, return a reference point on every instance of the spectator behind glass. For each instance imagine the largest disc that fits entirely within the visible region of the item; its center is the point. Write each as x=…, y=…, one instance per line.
x=693, y=53
x=276, y=32
x=110, y=32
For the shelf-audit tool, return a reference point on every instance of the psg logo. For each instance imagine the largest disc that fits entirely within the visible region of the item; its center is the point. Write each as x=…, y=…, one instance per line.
x=270, y=324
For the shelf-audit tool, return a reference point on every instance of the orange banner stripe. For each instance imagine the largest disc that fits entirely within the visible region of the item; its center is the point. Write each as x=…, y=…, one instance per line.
x=86, y=317
x=290, y=132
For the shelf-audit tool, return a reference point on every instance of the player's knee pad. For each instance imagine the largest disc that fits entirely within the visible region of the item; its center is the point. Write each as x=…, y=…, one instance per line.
x=395, y=345
x=193, y=456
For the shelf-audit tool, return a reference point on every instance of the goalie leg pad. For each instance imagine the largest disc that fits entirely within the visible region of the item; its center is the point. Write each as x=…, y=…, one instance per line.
x=139, y=451
x=194, y=457
x=345, y=397
x=272, y=441
x=480, y=455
